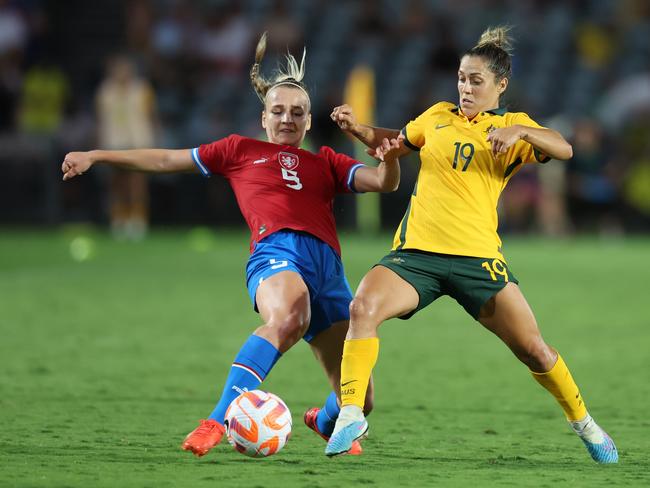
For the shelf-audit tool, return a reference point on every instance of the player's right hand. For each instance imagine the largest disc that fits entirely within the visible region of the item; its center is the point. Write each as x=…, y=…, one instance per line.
x=344, y=118
x=75, y=163
x=388, y=150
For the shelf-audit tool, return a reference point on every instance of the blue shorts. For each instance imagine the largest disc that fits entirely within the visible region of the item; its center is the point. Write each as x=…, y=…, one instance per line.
x=319, y=266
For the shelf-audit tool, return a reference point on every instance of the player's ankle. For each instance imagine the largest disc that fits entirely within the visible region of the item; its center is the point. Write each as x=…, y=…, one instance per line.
x=589, y=430
x=351, y=413
x=580, y=425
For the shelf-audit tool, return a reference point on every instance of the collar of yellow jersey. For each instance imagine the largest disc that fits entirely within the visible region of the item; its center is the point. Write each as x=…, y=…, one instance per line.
x=494, y=111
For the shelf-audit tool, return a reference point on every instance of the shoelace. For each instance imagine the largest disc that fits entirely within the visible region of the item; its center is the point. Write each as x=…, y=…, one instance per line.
x=206, y=427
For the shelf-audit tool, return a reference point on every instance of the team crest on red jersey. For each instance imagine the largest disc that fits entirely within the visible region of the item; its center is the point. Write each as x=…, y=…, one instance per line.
x=288, y=160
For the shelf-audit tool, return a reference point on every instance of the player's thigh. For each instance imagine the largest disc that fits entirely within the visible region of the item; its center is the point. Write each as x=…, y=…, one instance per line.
x=328, y=350
x=282, y=295
x=384, y=294
x=508, y=315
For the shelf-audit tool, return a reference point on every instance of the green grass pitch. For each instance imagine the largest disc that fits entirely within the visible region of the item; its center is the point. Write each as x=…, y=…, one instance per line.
x=107, y=361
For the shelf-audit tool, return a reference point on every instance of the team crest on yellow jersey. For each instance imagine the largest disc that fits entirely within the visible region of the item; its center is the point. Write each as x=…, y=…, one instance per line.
x=490, y=129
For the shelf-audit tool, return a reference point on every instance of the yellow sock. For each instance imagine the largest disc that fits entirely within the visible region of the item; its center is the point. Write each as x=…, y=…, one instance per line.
x=359, y=357
x=560, y=384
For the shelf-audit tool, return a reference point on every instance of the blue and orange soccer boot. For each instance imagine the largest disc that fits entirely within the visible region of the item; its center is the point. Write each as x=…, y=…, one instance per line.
x=310, y=421
x=207, y=435
x=601, y=447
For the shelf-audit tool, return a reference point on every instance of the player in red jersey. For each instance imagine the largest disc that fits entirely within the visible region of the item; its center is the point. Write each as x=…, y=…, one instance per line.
x=295, y=277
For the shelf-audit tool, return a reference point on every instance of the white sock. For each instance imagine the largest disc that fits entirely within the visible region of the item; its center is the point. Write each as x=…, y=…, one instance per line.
x=348, y=414
x=588, y=429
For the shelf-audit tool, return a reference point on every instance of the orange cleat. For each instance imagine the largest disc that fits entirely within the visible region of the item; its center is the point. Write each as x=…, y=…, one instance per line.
x=310, y=421
x=207, y=435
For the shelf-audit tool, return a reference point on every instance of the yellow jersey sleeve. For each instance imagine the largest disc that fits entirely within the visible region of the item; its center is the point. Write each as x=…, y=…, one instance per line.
x=414, y=131
x=522, y=152
x=525, y=151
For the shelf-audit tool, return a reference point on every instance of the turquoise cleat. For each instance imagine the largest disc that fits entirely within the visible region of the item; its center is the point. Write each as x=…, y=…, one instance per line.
x=604, y=452
x=341, y=442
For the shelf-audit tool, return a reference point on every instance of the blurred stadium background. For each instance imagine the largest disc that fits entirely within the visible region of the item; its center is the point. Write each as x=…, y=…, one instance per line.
x=581, y=66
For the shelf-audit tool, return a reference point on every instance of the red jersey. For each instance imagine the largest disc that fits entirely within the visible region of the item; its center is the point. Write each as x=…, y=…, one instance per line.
x=280, y=187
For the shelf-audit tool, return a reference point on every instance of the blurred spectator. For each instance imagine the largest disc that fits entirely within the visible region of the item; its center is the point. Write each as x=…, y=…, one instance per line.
x=44, y=93
x=596, y=44
x=126, y=114
x=175, y=70
x=518, y=204
x=552, y=213
x=173, y=33
x=636, y=184
x=226, y=39
x=625, y=99
x=13, y=29
x=592, y=188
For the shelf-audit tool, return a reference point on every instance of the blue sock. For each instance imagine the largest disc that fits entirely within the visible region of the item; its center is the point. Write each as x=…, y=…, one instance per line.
x=251, y=366
x=326, y=418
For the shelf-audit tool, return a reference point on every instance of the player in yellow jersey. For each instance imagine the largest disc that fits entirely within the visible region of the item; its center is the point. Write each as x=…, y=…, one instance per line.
x=447, y=242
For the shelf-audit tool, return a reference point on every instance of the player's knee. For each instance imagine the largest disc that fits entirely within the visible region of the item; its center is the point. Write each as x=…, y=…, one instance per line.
x=537, y=355
x=363, y=312
x=289, y=329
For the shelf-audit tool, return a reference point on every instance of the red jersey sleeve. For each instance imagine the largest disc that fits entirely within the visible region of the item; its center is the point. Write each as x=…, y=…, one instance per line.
x=213, y=158
x=343, y=169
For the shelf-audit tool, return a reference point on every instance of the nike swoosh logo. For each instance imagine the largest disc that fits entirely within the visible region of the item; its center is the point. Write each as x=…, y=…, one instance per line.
x=260, y=161
x=348, y=382
x=441, y=126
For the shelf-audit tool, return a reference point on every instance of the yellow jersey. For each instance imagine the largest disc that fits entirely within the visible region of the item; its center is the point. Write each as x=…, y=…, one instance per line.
x=453, y=209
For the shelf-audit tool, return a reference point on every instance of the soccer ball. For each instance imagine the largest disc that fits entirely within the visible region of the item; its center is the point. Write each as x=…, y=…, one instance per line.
x=258, y=423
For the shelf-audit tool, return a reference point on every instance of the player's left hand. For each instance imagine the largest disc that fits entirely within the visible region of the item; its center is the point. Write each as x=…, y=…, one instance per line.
x=502, y=139
x=388, y=150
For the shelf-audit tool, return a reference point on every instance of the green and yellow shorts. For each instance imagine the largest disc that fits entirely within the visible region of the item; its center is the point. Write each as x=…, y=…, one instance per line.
x=470, y=281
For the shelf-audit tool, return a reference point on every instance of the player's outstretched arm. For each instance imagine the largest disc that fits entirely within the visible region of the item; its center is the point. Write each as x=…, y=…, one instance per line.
x=548, y=141
x=370, y=136
x=148, y=160
x=385, y=177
